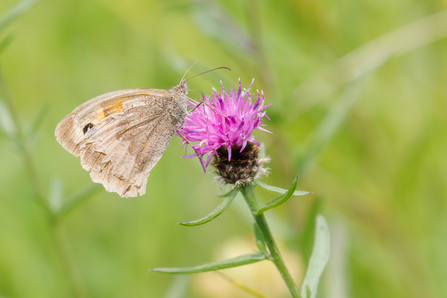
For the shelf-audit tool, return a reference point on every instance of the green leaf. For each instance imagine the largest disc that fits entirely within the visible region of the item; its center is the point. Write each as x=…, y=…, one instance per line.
x=260, y=241
x=225, y=194
x=215, y=213
x=281, y=190
x=275, y=202
x=16, y=12
x=230, y=263
x=319, y=258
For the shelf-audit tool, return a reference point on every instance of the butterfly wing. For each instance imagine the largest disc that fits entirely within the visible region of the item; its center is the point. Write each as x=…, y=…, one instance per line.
x=120, y=136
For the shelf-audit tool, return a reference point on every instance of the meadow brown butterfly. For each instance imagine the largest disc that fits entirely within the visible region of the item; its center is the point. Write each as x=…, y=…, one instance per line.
x=121, y=135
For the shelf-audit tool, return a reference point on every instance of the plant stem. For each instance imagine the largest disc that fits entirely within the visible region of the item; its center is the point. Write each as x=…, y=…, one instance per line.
x=20, y=140
x=250, y=197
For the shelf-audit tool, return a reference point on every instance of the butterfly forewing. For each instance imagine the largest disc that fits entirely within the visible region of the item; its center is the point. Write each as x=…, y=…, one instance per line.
x=121, y=135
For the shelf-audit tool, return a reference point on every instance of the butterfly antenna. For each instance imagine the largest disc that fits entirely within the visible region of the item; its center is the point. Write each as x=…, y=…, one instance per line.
x=188, y=70
x=207, y=71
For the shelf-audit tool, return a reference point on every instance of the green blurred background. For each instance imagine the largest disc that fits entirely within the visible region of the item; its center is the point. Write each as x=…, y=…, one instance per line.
x=358, y=110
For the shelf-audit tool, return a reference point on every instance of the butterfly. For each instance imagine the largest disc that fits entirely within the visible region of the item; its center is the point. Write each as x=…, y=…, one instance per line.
x=121, y=135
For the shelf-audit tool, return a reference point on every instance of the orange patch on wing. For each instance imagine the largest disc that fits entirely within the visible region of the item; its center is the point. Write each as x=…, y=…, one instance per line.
x=109, y=109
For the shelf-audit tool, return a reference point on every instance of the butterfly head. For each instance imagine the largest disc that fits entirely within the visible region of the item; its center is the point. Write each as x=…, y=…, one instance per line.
x=182, y=87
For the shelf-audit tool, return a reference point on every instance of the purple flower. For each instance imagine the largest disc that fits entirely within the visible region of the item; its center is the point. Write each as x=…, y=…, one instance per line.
x=224, y=120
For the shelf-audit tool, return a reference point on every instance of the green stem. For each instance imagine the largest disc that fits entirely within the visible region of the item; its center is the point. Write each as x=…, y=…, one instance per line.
x=22, y=144
x=250, y=197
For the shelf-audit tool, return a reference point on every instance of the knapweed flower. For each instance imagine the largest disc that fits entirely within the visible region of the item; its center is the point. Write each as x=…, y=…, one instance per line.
x=223, y=125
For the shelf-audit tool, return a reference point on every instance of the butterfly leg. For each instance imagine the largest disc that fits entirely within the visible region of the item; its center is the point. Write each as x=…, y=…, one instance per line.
x=189, y=143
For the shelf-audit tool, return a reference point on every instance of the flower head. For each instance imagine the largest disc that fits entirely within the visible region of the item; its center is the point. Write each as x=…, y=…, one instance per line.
x=224, y=120
x=223, y=124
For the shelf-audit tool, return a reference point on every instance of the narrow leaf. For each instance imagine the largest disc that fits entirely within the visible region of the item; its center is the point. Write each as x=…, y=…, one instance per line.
x=215, y=213
x=275, y=202
x=230, y=263
x=16, y=12
x=225, y=194
x=318, y=260
x=281, y=190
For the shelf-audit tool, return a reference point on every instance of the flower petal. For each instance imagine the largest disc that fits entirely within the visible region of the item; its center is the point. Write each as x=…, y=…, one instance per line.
x=243, y=113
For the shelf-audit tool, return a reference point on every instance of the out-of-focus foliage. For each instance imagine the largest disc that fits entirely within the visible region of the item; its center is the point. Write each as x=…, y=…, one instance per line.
x=359, y=103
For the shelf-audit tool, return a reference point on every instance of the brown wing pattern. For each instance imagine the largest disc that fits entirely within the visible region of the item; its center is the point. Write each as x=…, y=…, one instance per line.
x=120, y=136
